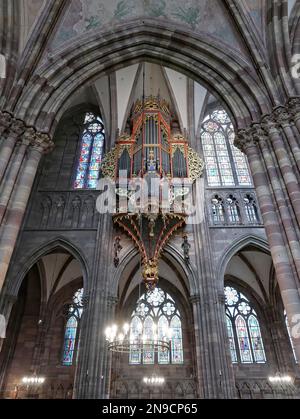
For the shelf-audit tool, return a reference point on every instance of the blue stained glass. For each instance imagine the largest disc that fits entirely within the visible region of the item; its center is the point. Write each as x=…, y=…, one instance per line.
x=231, y=340
x=243, y=339
x=177, y=350
x=91, y=153
x=148, y=350
x=75, y=312
x=92, y=184
x=243, y=328
x=257, y=344
x=163, y=355
x=70, y=337
x=135, y=351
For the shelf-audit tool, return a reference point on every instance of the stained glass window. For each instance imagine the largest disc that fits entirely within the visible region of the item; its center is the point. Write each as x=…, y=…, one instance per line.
x=156, y=312
x=290, y=336
x=225, y=164
x=243, y=329
x=251, y=209
x=71, y=331
x=233, y=210
x=91, y=152
x=231, y=340
x=136, y=328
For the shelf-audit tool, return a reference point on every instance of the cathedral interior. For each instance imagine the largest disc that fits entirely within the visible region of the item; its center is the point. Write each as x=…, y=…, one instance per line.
x=186, y=291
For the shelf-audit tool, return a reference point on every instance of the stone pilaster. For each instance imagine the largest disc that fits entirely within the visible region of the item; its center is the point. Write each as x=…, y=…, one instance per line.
x=214, y=369
x=284, y=211
x=16, y=207
x=284, y=162
x=275, y=228
x=93, y=373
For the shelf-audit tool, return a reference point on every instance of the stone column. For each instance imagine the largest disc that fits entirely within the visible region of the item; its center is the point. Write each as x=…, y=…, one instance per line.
x=215, y=373
x=279, y=247
x=16, y=207
x=276, y=186
x=284, y=118
x=13, y=170
x=284, y=163
x=93, y=373
x=7, y=146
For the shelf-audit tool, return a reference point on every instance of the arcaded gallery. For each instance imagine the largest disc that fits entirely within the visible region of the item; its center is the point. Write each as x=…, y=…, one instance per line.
x=149, y=199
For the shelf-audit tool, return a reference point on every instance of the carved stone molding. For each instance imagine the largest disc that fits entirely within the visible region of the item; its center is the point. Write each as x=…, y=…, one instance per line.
x=16, y=129
x=27, y=136
x=244, y=140
x=294, y=106
x=282, y=115
x=5, y=121
x=259, y=136
x=42, y=143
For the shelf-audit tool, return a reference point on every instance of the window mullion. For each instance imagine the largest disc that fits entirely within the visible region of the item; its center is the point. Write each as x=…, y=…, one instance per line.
x=231, y=158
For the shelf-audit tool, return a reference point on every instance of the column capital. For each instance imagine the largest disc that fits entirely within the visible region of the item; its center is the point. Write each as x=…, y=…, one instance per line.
x=282, y=115
x=294, y=105
x=42, y=143
x=27, y=137
x=195, y=299
x=16, y=129
x=259, y=135
x=244, y=140
x=269, y=124
x=5, y=121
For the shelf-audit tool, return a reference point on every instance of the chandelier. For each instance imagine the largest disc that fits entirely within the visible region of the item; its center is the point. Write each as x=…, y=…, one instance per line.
x=154, y=381
x=121, y=339
x=281, y=379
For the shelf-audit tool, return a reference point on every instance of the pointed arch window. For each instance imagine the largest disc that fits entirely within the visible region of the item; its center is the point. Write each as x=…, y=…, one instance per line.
x=225, y=164
x=218, y=211
x=251, y=209
x=244, y=333
x=290, y=336
x=91, y=152
x=233, y=210
x=71, y=330
x=156, y=309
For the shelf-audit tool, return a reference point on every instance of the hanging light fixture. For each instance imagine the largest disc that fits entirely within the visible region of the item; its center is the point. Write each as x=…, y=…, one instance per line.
x=154, y=381
x=120, y=338
x=34, y=381
x=281, y=380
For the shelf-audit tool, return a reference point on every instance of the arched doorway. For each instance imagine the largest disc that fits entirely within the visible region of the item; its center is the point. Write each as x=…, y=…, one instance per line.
x=44, y=329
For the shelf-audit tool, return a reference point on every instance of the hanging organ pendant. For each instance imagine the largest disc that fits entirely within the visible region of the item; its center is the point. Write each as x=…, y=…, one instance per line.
x=155, y=154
